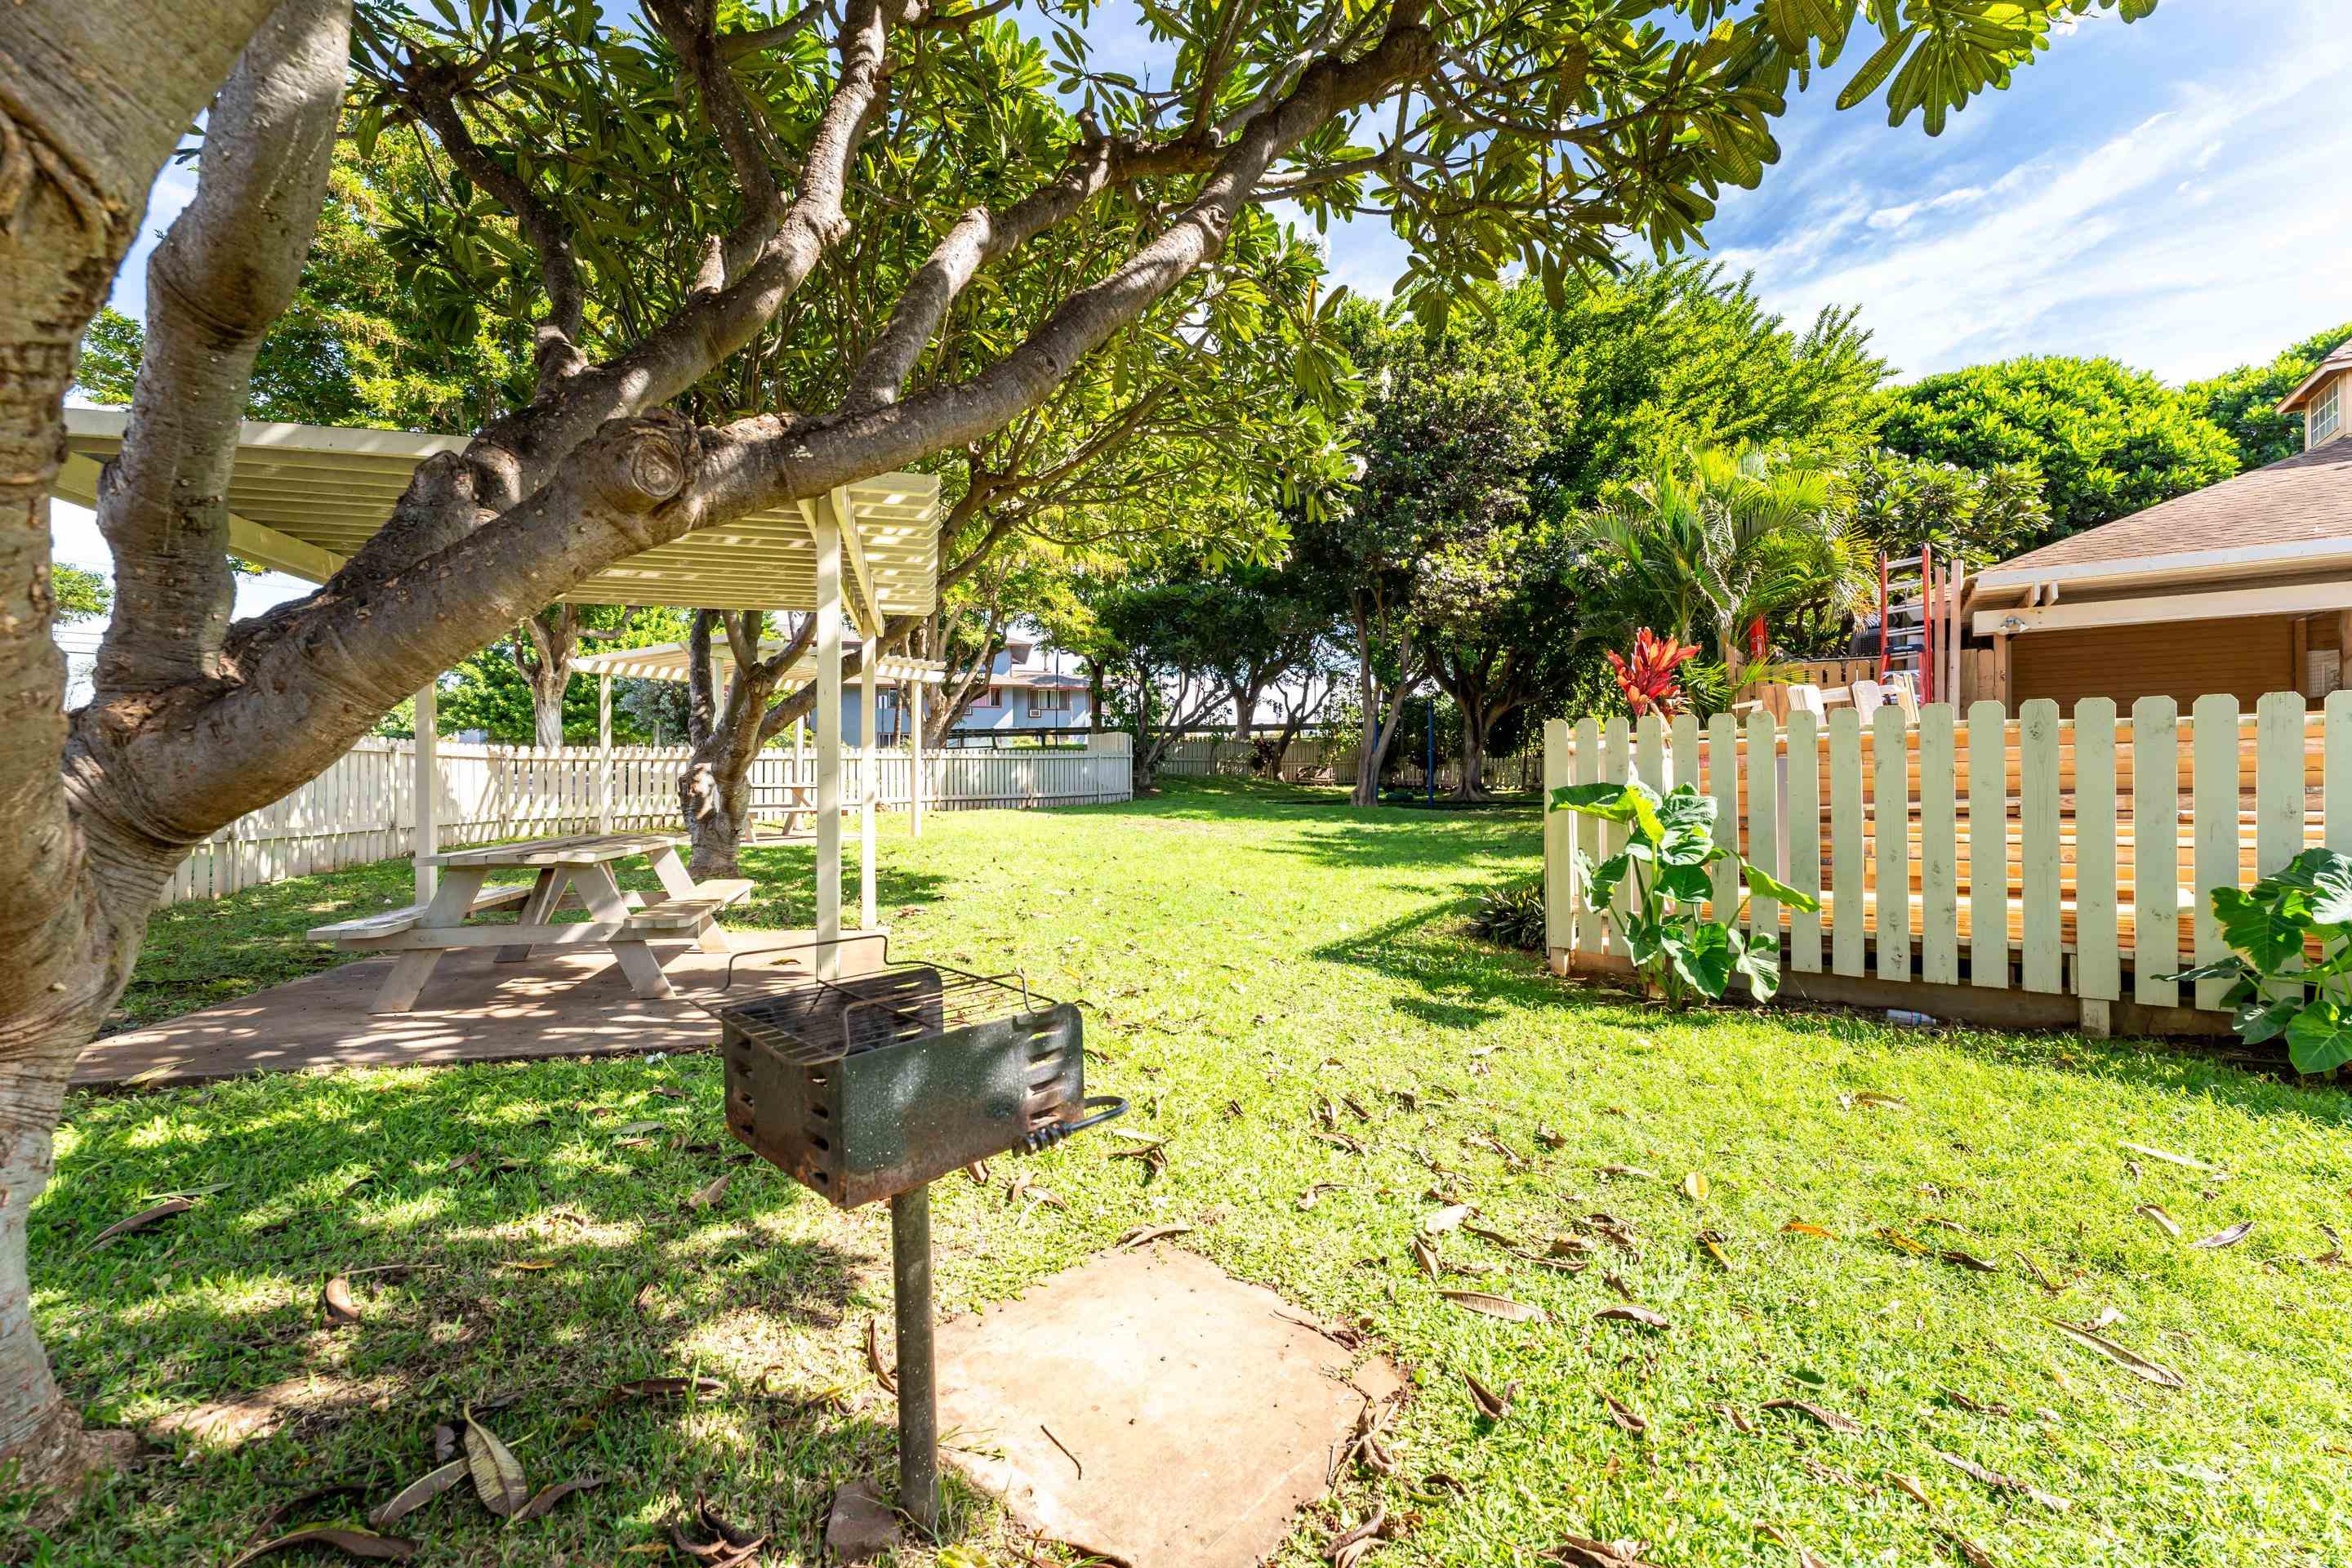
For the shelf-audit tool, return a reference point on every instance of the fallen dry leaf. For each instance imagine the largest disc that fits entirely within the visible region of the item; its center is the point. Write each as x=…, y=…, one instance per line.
x=1994, y=1479
x=668, y=1387
x=1493, y=1406
x=1314, y=1195
x=882, y=1374
x=1968, y=1260
x=2130, y=1360
x=1807, y=1227
x=1632, y=1173
x=498, y=1476
x=528, y=1265
x=1425, y=1256
x=1577, y=1552
x=1900, y=1242
x=416, y=1494
x=1739, y=1420
x=1339, y=1140
x=1909, y=1487
x=1496, y=1306
x=354, y=1542
x=639, y=1129
x=1694, y=1186
x=1711, y=1242
x=1450, y=1218
x=1348, y=1547
x=1632, y=1314
x=2230, y=1238
x=142, y=1219
x=1829, y=1418
x=710, y=1193
x=1806, y=1558
x=2171, y=1159
x=1144, y=1236
x=1550, y=1137
x=1975, y=1556
x=1625, y=1415
x=2154, y=1213
x=548, y=1497
x=336, y=1299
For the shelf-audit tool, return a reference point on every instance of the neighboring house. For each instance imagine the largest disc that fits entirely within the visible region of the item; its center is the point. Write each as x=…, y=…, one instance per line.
x=1030, y=686
x=2244, y=586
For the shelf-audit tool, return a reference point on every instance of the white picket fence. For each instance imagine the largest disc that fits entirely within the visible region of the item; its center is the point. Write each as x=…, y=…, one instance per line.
x=363, y=808
x=1209, y=756
x=2064, y=857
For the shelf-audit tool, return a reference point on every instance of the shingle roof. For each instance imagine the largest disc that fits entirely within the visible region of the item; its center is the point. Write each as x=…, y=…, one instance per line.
x=2298, y=499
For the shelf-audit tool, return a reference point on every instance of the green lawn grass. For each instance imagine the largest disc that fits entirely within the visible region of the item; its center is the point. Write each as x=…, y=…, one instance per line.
x=1246, y=958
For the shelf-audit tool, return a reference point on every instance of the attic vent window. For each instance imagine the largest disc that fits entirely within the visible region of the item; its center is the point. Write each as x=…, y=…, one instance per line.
x=2326, y=413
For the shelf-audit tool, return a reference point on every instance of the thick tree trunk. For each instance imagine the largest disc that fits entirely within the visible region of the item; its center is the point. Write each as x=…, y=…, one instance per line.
x=1472, y=785
x=547, y=705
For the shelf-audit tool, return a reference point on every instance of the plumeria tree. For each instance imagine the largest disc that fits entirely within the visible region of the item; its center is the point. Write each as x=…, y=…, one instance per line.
x=829, y=184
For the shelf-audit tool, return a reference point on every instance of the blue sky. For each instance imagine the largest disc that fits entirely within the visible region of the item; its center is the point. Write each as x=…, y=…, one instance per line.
x=2177, y=194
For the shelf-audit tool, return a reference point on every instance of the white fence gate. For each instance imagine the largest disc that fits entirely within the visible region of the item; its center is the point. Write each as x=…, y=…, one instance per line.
x=363, y=808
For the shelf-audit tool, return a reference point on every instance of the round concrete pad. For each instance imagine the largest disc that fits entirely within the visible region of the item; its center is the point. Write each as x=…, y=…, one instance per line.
x=1197, y=1412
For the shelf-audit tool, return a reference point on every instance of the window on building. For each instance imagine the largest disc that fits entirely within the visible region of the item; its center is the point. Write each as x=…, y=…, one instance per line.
x=2326, y=413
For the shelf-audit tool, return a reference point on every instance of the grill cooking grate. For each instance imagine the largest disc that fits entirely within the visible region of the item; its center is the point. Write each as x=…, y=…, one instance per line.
x=807, y=1020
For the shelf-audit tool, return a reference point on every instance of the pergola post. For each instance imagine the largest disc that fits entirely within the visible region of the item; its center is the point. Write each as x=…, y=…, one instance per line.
x=605, y=760
x=869, y=769
x=915, y=755
x=428, y=796
x=827, y=530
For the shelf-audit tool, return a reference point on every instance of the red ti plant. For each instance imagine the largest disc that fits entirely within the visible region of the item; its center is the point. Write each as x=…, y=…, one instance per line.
x=1647, y=679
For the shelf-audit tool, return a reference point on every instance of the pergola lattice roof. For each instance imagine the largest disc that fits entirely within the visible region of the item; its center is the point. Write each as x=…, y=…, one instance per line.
x=303, y=497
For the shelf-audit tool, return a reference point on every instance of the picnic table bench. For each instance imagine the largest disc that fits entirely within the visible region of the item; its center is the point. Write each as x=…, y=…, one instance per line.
x=579, y=867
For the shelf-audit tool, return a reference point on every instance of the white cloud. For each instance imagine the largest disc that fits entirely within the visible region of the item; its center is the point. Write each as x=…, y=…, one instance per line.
x=2109, y=247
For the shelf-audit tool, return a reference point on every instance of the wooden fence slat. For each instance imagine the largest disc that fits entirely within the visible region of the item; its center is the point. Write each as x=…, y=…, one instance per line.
x=2336, y=722
x=1988, y=736
x=1763, y=848
x=1590, y=939
x=1560, y=890
x=2214, y=802
x=1845, y=843
x=2042, y=961
x=1802, y=813
x=2099, y=960
x=1615, y=764
x=1939, y=875
x=1650, y=750
x=1687, y=769
x=1890, y=821
x=2156, y=852
x=1723, y=782
x=2278, y=780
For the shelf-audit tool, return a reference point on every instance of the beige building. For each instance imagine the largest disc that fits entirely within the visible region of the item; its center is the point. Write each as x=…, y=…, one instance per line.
x=2244, y=586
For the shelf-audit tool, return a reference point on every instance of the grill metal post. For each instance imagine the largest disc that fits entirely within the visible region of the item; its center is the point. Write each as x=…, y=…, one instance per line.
x=919, y=1416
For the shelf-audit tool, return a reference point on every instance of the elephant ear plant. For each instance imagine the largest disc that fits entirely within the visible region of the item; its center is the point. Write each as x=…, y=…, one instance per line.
x=2278, y=988
x=1668, y=858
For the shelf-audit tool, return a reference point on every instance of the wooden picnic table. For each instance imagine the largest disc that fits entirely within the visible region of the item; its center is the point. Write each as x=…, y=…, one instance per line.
x=579, y=866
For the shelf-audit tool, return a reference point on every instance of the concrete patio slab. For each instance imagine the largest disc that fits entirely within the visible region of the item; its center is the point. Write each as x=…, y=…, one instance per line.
x=1152, y=1409
x=474, y=1009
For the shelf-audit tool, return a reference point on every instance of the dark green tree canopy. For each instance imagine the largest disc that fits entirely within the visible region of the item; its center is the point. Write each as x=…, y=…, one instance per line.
x=2107, y=439
x=2244, y=402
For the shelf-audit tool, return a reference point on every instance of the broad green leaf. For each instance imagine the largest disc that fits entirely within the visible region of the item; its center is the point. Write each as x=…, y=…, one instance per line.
x=1761, y=964
x=1764, y=884
x=1686, y=884
x=2257, y=1021
x=2325, y=878
x=1703, y=957
x=2320, y=1038
x=2220, y=969
x=1601, y=886
x=2268, y=932
x=1608, y=801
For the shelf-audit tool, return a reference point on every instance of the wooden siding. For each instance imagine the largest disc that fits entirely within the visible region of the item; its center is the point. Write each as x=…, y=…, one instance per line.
x=2181, y=660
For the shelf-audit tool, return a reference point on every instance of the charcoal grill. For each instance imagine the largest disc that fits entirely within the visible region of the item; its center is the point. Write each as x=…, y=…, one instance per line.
x=871, y=1085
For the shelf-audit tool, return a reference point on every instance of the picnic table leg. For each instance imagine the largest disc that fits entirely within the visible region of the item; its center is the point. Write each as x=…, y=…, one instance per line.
x=536, y=910
x=413, y=968
x=671, y=871
x=602, y=897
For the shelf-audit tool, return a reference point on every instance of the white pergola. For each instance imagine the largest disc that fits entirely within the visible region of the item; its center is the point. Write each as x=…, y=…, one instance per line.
x=673, y=662
x=303, y=497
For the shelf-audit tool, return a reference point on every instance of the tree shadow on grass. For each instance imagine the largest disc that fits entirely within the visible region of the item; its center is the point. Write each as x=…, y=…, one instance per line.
x=517, y=1243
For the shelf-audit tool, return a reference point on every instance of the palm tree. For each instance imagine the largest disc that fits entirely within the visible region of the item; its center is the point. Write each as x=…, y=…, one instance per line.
x=1722, y=536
